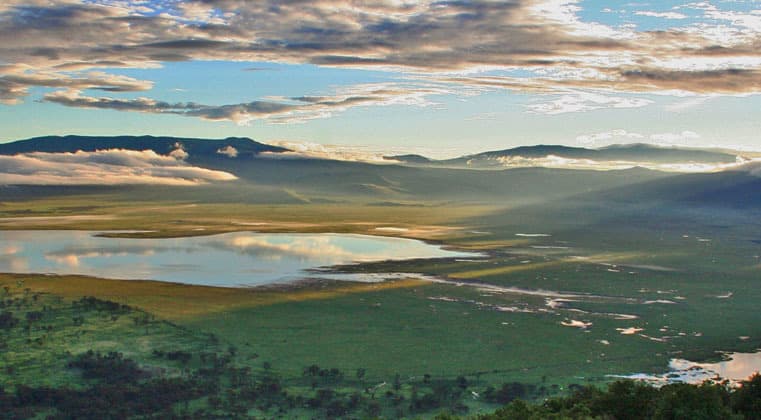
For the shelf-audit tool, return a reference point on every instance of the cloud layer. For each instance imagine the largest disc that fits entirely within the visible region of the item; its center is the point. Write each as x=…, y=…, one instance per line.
x=67, y=44
x=277, y=110
x=105, y=167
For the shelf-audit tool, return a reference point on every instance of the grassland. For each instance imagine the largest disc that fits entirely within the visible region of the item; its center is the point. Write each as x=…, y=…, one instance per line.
x=689, y=283
x=171, y=218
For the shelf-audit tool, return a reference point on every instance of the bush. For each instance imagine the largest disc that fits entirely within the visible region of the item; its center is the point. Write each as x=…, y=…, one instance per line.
x=7, y=320
x=111, y=368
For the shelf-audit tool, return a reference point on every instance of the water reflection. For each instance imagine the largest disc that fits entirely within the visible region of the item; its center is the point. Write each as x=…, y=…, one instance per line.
x=233, y=259
x=736, y=367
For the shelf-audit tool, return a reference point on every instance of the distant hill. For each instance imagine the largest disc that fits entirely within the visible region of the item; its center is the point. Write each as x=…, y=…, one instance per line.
x=338, y=180
x=418, y=177
x=196, y=148
x=732, y=189
x=410, y=159
x=202, y=149
x=633, y=153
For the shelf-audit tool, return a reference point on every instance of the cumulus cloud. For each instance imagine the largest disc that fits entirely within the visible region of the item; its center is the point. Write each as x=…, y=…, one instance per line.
x=58, y=44
x=228, y=151
x=104, y=167
x=179, y=152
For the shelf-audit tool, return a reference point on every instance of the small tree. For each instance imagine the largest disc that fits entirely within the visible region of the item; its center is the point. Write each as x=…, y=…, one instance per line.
x=7, y=320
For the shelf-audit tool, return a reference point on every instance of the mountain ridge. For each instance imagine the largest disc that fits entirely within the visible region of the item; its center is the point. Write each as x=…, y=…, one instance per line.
x=634, y=153
x=244, y=146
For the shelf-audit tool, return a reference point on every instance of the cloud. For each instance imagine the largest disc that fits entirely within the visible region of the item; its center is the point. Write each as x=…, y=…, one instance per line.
x=753, y=168
x=104, y=167
x=687, y=104
x=179, y=152
x=580, y=101
x=720, y=81
x=56, y=44
x=623, y=136
x=628, y=79
x=228, y=151
x=675, y=138
x=308, y=150
x=608, y=137
x=663, y=15
x=238, y=113
x=275, y=110
x=17, y=80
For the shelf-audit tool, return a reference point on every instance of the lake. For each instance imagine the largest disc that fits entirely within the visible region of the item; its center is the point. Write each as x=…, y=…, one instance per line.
x=735, y=367
x=230, y=260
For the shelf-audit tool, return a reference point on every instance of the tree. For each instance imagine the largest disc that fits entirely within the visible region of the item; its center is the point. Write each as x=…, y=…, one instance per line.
x=746, y=399
x=7, y=320
x=312, y=370
x=685, y=401
x=627, y=400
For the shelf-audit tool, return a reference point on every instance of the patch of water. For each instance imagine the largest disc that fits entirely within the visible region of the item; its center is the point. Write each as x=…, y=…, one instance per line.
x=230, y=259
x=735, y=367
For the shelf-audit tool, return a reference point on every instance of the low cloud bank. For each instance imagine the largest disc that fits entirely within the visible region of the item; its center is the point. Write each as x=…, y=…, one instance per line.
x=105, y=167
x=753, y=166
x=307, y=150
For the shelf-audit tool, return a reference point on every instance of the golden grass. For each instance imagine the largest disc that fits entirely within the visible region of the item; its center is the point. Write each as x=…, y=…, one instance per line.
x=172, y=219
x=175, y=301
x=472, y=274
x=495, y=244
x=602, y=258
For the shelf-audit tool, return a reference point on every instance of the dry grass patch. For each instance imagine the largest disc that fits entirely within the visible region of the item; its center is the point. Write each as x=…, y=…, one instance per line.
x=176, y=301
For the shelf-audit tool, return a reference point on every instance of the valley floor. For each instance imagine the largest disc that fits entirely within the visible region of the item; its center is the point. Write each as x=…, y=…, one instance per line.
x=551, y=305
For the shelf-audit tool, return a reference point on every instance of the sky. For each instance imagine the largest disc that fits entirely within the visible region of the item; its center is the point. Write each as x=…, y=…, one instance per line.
x=440, y=78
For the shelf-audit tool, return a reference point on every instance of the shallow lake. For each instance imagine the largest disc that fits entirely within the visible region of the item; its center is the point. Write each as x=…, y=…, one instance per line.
x=736, y=367
x=231, y=259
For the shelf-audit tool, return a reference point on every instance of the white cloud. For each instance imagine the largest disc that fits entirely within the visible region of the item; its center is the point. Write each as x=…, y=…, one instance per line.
x=753, y=167
x=179, y=152
x=579, y=101
x=687, y=104
x=228, y=151
x=308, y=150
x=104, y=167
x=608, y=137
x=663, y=15
x=675, y=138
x=55, y=44
x=623, y=136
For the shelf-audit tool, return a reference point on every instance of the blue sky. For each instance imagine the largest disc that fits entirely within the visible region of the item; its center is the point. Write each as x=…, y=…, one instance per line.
x=440, y=78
